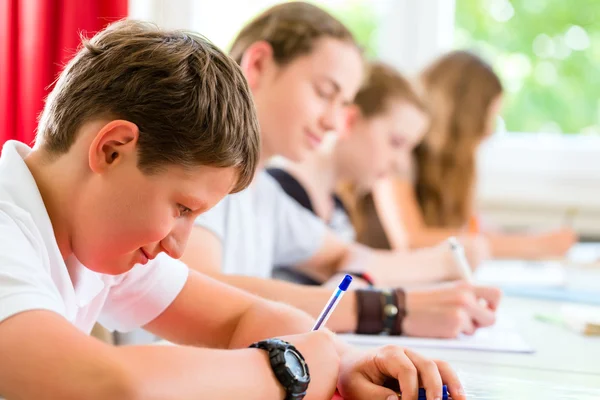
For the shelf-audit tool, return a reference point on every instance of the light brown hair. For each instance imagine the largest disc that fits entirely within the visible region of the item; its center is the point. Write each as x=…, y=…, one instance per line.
x=291, y=29
x=460, y=88
x=190, y=101
x=383, y=86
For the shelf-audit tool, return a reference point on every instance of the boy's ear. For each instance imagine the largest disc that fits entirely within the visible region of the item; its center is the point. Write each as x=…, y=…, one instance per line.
x=256, y=59
x=352, y=116
x=114, y=141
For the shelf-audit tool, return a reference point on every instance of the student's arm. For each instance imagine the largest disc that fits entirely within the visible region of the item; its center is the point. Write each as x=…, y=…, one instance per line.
x=203, y=254
x=45, y=357
x=209, y=313
x=531, y=245
x=303, y=240
x=397, y=207
x=442, y=311
x=388, y=268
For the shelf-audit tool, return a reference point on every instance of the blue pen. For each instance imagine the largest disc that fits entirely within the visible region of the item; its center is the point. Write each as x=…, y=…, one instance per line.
x=333, y=302
x=423, y=396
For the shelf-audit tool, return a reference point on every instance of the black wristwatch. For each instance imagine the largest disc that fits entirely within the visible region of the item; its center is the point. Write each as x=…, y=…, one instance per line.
x=288, y=365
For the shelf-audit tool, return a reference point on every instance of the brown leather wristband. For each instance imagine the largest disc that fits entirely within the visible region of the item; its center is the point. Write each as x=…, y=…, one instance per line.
x=380, y=311
x=370, y=312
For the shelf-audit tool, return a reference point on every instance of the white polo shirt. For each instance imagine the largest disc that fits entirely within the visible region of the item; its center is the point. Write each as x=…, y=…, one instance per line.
x=262, y=227
x=34, y=276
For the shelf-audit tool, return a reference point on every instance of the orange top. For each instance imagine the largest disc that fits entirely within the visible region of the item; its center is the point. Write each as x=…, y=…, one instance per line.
x=474, y=226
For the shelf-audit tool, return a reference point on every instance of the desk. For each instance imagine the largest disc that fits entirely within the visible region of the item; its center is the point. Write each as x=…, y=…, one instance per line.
x=492, y=382
x=566, y=365
x=557, y=349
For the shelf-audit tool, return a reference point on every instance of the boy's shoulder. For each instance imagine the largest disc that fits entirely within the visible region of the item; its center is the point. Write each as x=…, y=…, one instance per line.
x=14, y=219
x=21, y=204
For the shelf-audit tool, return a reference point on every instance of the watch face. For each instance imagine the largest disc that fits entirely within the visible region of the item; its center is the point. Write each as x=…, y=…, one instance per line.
x=295, y=363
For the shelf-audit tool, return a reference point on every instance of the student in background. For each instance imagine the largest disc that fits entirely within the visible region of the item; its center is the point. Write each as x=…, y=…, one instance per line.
x=385, y=122
x=144, y=130
x=304, y=69
x=464, y=97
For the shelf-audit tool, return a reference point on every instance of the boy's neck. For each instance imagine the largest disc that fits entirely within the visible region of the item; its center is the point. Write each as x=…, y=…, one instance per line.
x=54, y=186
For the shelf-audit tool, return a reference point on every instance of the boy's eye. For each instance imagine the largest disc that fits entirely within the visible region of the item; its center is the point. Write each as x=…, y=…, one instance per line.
x=183, y=210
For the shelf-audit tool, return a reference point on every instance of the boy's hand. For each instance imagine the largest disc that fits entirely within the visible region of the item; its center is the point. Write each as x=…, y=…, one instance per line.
x=362, y=375
x=321, y=355
x=449, y=309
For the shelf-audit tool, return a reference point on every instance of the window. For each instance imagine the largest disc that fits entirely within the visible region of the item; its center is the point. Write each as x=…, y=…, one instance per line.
x=221, y=22
x=547, y=53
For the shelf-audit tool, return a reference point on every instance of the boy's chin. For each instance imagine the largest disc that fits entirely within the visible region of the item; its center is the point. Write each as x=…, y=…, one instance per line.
x=111, y=268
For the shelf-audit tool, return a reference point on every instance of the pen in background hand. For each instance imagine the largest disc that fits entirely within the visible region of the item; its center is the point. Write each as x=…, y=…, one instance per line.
x=458, y=252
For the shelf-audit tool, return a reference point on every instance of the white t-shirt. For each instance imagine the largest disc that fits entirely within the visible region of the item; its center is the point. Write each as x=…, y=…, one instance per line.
x=262, y=227
x=34, y=276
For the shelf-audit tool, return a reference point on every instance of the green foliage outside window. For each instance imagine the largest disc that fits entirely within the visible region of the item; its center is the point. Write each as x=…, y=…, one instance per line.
x=547, y=53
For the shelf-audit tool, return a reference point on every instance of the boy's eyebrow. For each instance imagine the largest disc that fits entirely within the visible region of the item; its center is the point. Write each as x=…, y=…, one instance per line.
x=193, y=203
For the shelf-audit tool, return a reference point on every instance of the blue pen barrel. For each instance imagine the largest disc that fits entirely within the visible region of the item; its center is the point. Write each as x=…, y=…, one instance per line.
x=332, y=303
x=423, y=396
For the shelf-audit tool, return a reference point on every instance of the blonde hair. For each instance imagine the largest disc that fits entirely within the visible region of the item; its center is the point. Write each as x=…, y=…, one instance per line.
x=383, y=86
x=291, y=29
x=460, y=88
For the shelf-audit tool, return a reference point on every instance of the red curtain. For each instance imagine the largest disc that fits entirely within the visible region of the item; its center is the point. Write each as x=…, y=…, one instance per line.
x=37, y=37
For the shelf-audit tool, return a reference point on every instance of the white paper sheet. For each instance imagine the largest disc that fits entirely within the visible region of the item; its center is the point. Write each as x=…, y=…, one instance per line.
x=502, y=337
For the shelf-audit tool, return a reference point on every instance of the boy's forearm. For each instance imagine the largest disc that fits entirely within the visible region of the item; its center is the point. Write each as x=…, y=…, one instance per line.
x=309, y=299
x=170, y=372
x=44, y=357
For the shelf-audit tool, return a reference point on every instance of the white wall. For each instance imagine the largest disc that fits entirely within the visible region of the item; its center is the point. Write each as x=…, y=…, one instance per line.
x=414, y=32
x=539, y=179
